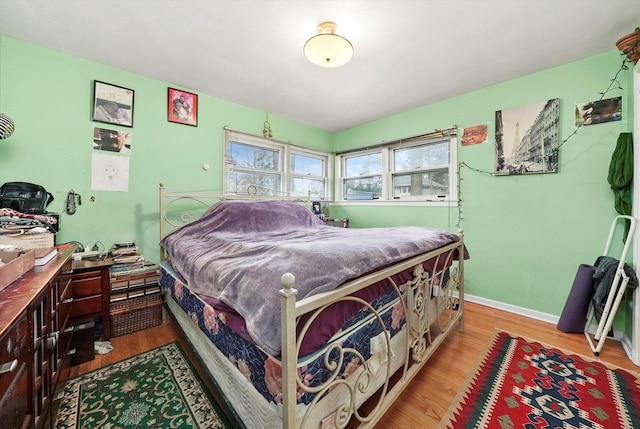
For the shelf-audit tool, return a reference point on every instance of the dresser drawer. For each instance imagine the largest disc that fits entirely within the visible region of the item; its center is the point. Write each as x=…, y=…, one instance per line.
x=13, y=373
x=86, y=284
x=14, y=403
x=85, y=306
x=13, y=351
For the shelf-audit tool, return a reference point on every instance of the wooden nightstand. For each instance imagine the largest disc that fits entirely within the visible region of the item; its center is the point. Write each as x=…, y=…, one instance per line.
x=90, y=290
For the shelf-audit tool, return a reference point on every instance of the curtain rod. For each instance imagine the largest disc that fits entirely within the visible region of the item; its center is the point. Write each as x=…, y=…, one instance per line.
x=233, y=130
x=435, y=133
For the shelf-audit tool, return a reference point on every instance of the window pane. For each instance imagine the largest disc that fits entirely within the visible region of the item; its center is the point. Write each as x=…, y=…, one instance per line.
x=302, y=186
x=365, y=188
x=417, y=157
x=254, y=183
x=301, y=164
x=244, y=155
x=421, y=184
x=365, y=164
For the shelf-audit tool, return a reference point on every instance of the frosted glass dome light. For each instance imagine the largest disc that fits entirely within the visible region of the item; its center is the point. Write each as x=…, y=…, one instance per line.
x=328, y=49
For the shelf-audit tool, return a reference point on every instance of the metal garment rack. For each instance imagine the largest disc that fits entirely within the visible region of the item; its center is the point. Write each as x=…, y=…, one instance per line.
x=616, y=292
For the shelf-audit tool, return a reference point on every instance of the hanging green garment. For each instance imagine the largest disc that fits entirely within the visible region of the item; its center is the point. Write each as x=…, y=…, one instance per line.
x=621, y=175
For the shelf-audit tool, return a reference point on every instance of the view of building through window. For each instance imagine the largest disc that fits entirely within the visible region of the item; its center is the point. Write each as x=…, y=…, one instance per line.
x=258, y=166
x=418, y=169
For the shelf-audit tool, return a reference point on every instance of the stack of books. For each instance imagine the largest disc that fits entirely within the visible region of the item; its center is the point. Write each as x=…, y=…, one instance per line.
x=123, y=249
x=128, y=262
x=133, y=287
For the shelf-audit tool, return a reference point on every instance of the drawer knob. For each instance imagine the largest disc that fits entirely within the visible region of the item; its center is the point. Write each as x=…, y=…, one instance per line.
x=9, y=366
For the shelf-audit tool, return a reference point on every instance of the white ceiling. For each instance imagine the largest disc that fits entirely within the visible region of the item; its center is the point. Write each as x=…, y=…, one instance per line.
x=408, y=53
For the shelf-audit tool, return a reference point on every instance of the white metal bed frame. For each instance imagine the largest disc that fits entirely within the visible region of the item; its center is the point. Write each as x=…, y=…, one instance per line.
x=428, y=323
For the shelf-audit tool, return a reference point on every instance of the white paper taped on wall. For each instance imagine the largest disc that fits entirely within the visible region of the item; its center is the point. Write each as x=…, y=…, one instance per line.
x=109, y=172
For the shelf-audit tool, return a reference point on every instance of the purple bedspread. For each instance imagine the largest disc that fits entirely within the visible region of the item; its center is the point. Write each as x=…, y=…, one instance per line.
x=238, y=250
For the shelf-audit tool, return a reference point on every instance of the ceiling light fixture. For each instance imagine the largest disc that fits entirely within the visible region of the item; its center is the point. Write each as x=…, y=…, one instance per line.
x=328, y=49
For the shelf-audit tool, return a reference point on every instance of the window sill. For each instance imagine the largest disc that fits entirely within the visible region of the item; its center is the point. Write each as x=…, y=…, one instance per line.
x=378, y=203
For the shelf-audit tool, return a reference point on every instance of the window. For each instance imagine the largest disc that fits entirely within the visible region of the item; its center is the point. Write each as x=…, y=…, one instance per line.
x=363, y=176
x=417, y=169
x=421, y=170
x=260, y=166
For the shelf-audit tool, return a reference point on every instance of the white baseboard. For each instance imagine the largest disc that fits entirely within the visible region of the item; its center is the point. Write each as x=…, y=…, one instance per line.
x=627, y=345
x=533, y=314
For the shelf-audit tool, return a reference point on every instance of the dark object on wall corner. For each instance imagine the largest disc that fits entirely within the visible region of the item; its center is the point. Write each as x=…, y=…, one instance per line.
x=629, y=45
x=574, y=314
x=25, y=197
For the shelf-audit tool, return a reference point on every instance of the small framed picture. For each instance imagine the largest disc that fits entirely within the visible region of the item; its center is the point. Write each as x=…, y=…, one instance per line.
x=183, y=107
x=599, y=112
x=112, y=140
x=112, y=104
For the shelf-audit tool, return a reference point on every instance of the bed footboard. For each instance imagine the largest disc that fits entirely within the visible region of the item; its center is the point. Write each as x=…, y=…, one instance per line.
x=432, y=303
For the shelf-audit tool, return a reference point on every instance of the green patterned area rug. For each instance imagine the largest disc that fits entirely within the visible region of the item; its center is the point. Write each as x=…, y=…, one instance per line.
x=156, y=389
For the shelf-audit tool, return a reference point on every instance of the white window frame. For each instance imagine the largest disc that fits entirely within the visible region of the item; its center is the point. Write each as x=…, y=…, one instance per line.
x=284, y=153
x=341, y=160
x=387, y=154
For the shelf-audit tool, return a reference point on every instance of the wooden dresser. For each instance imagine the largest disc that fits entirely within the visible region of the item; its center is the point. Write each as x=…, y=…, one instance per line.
x=34, y=340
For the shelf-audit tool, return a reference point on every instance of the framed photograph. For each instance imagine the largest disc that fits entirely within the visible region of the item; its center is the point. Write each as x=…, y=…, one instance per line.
x=112, y=104
x=474, y=135
x=112, y=140
x=527, y=140
x=599, y=112
x=183, y=107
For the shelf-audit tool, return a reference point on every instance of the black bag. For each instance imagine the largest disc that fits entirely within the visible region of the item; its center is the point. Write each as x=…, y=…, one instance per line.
x=25, y=197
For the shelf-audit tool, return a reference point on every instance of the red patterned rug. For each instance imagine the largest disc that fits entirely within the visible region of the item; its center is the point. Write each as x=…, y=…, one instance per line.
x=520, y=383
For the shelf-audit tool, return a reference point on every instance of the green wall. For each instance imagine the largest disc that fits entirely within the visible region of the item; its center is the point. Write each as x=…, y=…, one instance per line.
x=528, y=234
x=49, y=97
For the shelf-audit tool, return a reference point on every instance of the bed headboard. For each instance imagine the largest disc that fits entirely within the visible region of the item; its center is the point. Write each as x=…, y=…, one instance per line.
x=178, y=208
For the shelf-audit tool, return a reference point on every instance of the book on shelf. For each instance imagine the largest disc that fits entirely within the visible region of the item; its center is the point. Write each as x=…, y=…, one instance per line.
x=135, y=293
x=136, y=281
x=115, y=297
x=124, y=248
x=44, y=255
x=124, y=251
x=127, y=266
x=124, y=243
x=128, y=259
x=135, y=271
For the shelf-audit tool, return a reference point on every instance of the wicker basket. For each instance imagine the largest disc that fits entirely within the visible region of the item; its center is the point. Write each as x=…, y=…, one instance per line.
x=135, y=314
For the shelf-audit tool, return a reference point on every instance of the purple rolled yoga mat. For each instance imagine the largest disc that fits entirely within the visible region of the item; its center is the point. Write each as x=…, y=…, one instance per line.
x=574, y=314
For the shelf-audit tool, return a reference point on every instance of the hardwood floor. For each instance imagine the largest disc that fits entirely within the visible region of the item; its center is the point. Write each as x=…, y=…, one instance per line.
x=131, y=345
x=434, y=388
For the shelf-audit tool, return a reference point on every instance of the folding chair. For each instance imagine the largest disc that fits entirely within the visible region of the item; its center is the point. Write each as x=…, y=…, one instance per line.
x=616, y=292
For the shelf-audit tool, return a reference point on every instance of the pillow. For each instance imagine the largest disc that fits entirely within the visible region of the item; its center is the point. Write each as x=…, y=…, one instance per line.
x=258, y=216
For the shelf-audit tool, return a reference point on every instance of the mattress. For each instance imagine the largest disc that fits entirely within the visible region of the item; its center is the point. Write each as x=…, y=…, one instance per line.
x=262, y=370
